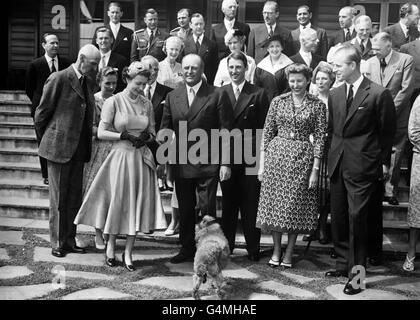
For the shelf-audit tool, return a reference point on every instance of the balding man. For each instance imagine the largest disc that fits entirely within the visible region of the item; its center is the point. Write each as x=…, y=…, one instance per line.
x=308, y=45
x=347, y=30
x=63, y=119
x=363, y=27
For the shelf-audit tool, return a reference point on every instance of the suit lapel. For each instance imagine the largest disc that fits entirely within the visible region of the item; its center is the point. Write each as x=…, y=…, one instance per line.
x=199, y=101
x=375, y=72
x=300, y=59
x=390, y=69
x=181, y=102
x=231, y=95
x=243, y=100
x=45, y=65
x=203, y=47
x=75, y=83
x=360, y=96
x=157, y=96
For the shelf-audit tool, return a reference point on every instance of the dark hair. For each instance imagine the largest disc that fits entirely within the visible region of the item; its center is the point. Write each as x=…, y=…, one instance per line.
x=151, y=11
x=115, y=4
x=197, y=15
x=104, y=29
x=188, y=11
x=326, y=68
x=304, y=6
x=406, y=8
x=45, y=35
x=106, y=71
x=238, y=56
x=353, y=53
x=298, y=68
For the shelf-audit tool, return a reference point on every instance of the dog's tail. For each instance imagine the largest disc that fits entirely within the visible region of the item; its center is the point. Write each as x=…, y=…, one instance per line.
x=202, y=272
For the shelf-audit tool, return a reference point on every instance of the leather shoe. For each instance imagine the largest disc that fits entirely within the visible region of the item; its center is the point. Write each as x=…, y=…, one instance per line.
x=333, y=255
x=393, y=201
x=336, y=273
x=46, y=182
x=181, y=257
x=129, y=267
x=348, y=289
x=111, y=262
x=74, y=249
x=375, y=261
x=254, y=257
x=58, y=252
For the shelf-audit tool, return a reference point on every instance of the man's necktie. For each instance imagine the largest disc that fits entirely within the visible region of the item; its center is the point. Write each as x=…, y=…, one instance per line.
x=237, y=93
x=103, y=65
x=270, y=34
x=147, y=93
x=349, y=97
x=197, y=46
x=192, y=96
x=53, y=69
x=362, y=46
x=348, y=36
x=152, y=36
x=383, y=64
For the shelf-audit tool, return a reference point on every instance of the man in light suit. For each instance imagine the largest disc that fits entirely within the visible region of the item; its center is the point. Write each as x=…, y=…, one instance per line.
x=304, y=16
x=64, y=121
x=347, y=30
x=218, y=32
x=405, y=30
x=262, y=32
x=241, y=192
x=363, y=27
x=362, y=127
x=308, y=44
x=37, y=73
x=195, y=105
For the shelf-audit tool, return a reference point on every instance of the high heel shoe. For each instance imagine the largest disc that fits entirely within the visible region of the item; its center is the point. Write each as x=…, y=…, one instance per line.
x=273, y=263
x=286, y=265
x=111, y=262
x=409, y=263
x=129, y=267
x=171, y=232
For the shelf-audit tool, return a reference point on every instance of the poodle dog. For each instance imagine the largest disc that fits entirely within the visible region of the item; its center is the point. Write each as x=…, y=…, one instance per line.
x=211, y=257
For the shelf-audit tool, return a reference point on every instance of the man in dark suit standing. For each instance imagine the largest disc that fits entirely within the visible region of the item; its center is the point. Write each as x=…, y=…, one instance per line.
x=363, y=27
x=241, y=192
x=37, y=73
x=200, y=44
x=64, y=121
x=192, y=108
x=362, y=127
x=308, y=44
x=347, y=31
x=413, y=49
x=218, y=32
x=109, y=58
x=304, y=16
x=261, y=33
x=405, y=30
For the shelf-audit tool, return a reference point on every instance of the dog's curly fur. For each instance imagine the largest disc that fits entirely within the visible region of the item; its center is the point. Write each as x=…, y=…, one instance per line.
x=211, y=257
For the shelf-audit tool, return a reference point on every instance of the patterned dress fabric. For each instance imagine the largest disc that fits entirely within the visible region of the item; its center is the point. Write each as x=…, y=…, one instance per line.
x=124, y=197
x=168, y=76
x=413, y=215
x=286, y=203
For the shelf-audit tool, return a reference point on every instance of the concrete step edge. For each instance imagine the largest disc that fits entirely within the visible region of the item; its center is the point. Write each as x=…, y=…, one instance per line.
x=25, y=203
x=23, y=184
x=16, y=125
x=15, y=102
x=15, y=113
x=20, y=166
x=17, y=137
x=29, y=152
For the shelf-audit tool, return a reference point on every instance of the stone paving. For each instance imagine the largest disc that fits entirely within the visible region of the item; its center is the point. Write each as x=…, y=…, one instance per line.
x=28, y=271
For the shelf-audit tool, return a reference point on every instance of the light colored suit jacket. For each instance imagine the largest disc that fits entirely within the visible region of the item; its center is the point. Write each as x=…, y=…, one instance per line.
x=322, y=48
x=398, y=79
x=413, y=49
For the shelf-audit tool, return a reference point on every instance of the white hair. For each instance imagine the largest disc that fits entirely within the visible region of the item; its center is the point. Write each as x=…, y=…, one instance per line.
x=306, y=33
x=226, y=2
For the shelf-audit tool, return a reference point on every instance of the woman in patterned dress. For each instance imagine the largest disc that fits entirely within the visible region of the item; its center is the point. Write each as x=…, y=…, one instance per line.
x=170, y=71
x=413, y=215
x=124, y=197
x=290, y=164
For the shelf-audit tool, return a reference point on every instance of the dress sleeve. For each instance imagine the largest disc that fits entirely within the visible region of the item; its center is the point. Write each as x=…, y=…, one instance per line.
x=319, y=128
x=414, y=124
x=270, y=125
x=106, y=129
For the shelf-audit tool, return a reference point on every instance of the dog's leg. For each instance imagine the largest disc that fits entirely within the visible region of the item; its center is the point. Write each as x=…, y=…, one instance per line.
x=197, y=280
x=221, y=292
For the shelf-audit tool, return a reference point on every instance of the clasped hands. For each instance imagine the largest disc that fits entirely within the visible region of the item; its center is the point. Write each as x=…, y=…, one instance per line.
x=137, y=142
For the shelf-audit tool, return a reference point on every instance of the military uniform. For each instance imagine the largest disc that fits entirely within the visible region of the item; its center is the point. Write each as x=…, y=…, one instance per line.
x=181, y=32
x=142, y=46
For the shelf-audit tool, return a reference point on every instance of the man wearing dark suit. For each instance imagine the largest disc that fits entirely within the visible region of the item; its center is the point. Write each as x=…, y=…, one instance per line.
x=122, y=35
x=148, y=41
x=218, y=32
x=196, y=105
x=308, y=45
x=363, y=27
x=241, y=192
x=362, y=127
x=405, y=30
x=37, y=73
x=347, y=31
x=200, y=44
x=304, y=16
x=64, y=121
x=413, y=49
x=261, y=33
x=108, y=57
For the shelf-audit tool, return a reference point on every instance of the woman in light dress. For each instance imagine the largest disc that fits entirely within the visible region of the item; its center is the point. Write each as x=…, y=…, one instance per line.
x=170, y=71
x=124, y=197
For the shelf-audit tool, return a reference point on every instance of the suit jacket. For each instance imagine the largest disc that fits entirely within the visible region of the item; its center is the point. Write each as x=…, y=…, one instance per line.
x=260, y=33
x=37, y=73
x=219, y=31
x=140, y=46
x=297, y=58
x=118, y=61
x=158, y=100
x=413, y=49
x=61, y=114
x=398, y=79
x=339, y=37
x=367, y=52
x=322, y=49
x=209, y=110
x=398, y=36
x=208, y=52
x=363, y=136
x=122, y=44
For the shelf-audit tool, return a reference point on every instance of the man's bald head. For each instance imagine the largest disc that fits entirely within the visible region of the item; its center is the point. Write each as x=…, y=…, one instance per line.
x=192, y=69
x=88, y=60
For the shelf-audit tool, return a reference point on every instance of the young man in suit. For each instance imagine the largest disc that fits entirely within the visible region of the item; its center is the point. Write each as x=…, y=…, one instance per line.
x=405, y=30
x=363, y=27
x=218, y=32
x=200, y=44
x=308, y=44
x=362, y=127
x=149, y=41
x=64, y=121
x=195, y=106
x=347, y=31
x=304, y=16
x=262, y=32
x=183, y=30
x=109, y=58
x=37, y=73
x=241, y=192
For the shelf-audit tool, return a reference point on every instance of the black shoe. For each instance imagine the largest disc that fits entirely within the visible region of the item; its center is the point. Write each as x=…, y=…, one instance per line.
x=58, y=252
x=348, y=289
x=254, y=257
x=181, y=257
x=393, y=201
x=375, y=261
x=74, y=249
x=336, y=273
x=46, y=181
x=129, y=267
x=333, y=255
x=111, y=262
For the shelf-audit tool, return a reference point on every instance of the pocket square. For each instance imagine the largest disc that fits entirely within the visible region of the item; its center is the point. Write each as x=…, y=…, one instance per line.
x=360, y=108
x=125, y=39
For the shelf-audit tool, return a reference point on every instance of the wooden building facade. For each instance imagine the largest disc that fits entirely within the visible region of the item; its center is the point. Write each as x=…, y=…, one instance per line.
x=74, y=21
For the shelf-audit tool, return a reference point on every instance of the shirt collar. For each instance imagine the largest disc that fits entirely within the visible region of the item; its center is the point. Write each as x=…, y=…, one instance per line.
x=350, y=29
x=196, y=87
x=240, y=86
x=152, y=87
x=149, y=31
x=49, y=58
x=107, y=55
x=309, y=25
x=229, y=23
x=78, y=74
x=114, y=25
x=356, y=85
x=404, y=28
x=200, y=38
x=268, y=27
x=305, y=54
x=388, y=57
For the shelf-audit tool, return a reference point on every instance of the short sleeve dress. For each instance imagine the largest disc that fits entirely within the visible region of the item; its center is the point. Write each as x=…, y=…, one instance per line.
x=413, y=214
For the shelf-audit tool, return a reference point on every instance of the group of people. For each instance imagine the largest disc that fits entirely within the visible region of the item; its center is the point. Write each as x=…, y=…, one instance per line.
x=326, y=120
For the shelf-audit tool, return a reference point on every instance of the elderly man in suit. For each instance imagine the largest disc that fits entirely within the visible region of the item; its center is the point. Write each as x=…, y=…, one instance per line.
x=347, y=30
x=196, y=107
x=109, y=58
x=361, y=126
x=200, y=44
x=183, y=30
x=304, y=16
x=64, y=121
x=241, y=192
x=262, y=32
x=37, y=73
x=218, y=32
x=149, y=41
x=308, y=44
x=405, y=30
x=363, y=27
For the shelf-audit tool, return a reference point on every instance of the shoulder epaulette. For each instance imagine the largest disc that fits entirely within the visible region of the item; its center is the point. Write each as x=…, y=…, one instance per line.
x=140, y=30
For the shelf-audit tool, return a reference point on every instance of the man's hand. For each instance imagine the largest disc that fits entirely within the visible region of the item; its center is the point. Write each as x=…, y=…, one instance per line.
x=224, y=173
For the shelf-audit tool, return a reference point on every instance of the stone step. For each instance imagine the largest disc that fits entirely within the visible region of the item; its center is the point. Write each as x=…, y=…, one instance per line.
x=395, y=213
x=15, y=105
x=19, y=155
x=13, y=95
x=16, y=128
x=24, y=208
x=25, y=189
x=20, y=171
x=18, y=142
x=16, y=116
